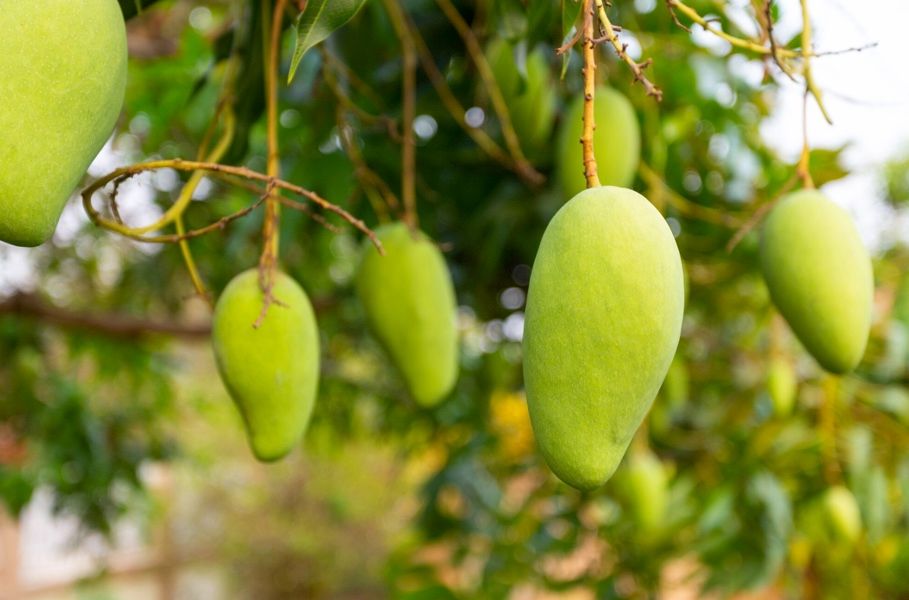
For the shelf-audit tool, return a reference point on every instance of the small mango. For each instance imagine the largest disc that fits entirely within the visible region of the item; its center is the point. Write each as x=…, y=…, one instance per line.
x=782, y=386
x=819, y=276
x=271, y=371
x=616, y=142
x=531, y=99
x=842, y=514
x=603, y=319
x=62, y=81
x=410, y=306
x=644, y=487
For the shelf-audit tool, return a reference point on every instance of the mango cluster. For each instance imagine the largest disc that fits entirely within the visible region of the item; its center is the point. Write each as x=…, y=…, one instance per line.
x=268, y=356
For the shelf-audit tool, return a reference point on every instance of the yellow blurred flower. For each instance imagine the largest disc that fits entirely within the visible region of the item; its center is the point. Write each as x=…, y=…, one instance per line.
x=510, y=422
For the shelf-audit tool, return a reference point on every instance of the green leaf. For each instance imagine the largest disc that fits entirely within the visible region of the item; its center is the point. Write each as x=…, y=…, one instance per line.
x=540, y=13
x=571, y=10
x=318, y=21
x=131, y=8
x=826, y=165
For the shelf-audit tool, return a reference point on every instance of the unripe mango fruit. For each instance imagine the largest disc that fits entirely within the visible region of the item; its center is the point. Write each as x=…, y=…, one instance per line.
x=531, y=100
x=603, y=318
x=409, y=301
x=819, y=276
x=842, y=514
x=271, y=371
x=62, y=80
x=782, y=386
x=644, y=485
x=616, y=142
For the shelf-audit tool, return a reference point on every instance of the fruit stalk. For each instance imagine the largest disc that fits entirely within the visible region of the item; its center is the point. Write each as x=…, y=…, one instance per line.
x=590, y=72
x=409, y=109
x=270, y=227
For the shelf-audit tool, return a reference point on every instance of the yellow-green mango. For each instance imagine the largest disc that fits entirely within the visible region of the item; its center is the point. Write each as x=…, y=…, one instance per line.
x=616, y=142
x=782, y=385
x=603, y=318
x=532, y=99
x=819, y=276
x=271, y=371
x=62, y=80
x=409, y=301
x=842, y=514
x=644, y=485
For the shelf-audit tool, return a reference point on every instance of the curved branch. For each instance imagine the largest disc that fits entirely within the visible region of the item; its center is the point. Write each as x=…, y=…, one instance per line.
x=124, y=173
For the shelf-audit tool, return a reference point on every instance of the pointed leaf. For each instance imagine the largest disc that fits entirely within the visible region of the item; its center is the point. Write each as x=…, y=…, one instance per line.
x=571, y=10
x=318, y=21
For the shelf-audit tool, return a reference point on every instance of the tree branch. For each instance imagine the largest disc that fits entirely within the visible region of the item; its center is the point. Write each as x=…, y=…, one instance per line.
x=108, y=325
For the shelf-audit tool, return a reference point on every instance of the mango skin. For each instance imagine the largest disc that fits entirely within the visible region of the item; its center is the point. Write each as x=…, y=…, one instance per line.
x=63, y=65
x=819, y=276
x=604, y=314
x=782, y=386
x=842, y=514
x=616, y=142
x=410, y=305
x=272, y=373
x=532, y=102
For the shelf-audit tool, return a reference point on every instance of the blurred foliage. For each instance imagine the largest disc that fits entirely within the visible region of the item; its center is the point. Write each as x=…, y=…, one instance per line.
x=744, y=485
x=896, y=181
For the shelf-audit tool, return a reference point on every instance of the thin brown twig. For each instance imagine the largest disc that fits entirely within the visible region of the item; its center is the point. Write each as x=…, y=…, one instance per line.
x=499, y=105
x=288, y=202
x=637, y=68
x=371, y=182
x=109, y=325
x=351, y=76
x=578, y=34
x=684, y=205
x=242, y=172
x=774, y=48
x=861, y=48
x=758, y=215
x=409, y=110
x=345, y=102
x=675, y=17
x=524, y=170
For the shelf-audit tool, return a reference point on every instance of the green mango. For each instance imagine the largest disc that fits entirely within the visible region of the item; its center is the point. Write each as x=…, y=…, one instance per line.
x=531, y=99
x=842, y=514
x=819, y=276
x=616, y=142
x=410, y=305
x=782, y=386
x=63, y=66
x=271, y=372
x=603, y=318
x=644, y=485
